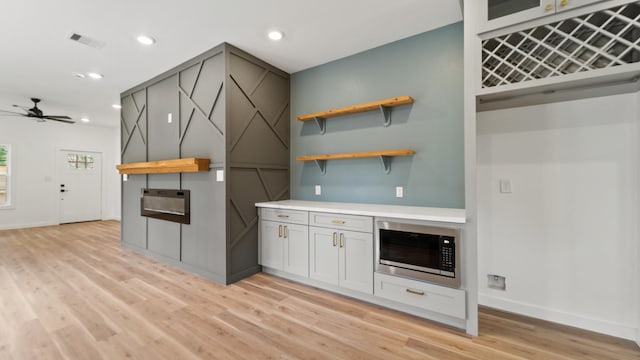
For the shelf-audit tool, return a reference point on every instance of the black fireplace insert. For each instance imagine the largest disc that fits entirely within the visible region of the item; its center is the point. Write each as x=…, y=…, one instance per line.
x=166, y=204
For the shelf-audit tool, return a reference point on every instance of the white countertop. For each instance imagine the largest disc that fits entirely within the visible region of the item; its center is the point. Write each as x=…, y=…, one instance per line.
x=389, y=211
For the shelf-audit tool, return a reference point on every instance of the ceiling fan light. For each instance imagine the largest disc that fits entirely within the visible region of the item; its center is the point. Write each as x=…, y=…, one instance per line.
x=95, y=76
x=146, y=40
x=276, y=35
x=85, y=119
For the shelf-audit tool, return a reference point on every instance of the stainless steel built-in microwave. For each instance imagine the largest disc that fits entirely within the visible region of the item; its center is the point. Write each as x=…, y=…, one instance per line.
x=418, y=251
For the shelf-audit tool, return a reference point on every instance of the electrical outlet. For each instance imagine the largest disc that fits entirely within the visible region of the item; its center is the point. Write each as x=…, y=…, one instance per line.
x=399, y=191
x=318, y=190
x=219, y=175
x=169, y=118
x=496, y=282
x=125, y=177
x=505, y=186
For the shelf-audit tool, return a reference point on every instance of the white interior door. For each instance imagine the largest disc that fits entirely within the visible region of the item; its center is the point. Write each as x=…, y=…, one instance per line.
x=80, y=186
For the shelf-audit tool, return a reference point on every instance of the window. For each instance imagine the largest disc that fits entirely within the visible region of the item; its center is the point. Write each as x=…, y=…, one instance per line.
x=80, y=161
x=5, y=175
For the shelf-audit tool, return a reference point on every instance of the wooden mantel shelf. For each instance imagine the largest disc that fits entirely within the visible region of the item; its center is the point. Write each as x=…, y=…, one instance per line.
x=384, y=155
x=165, y=166
x=383, y=105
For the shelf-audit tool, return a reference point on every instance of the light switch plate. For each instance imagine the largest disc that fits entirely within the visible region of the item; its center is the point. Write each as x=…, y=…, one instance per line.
x=219, y=175
x=505, y=186
x=169, y=118
x=318, y=190
x=125, y=177
x=399, y=191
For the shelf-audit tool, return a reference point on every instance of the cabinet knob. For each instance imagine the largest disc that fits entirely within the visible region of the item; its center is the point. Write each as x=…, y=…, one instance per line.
x=564, y=2
x=549, y=7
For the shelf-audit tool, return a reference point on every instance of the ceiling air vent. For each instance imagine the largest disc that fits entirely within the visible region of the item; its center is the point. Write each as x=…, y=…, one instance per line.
x=97, y=44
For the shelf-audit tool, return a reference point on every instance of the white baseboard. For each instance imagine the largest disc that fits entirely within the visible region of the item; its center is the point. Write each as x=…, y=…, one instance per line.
x=28, y=225
x=623, y=331
x=116, y=218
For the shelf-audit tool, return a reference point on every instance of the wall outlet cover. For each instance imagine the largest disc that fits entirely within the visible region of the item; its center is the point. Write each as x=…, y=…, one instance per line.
x=169, y=118
x=125, y=177
x=399, y=191
x=496, y=282
x=219, y=175
x=318, y=190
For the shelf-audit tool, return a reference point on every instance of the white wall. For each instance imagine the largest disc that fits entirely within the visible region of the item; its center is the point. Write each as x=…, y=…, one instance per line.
x=566, y=238
x=638, y=240
x=34, y=183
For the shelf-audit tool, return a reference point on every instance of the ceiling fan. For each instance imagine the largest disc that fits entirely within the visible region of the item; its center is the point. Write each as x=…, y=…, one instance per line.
x=35, y=112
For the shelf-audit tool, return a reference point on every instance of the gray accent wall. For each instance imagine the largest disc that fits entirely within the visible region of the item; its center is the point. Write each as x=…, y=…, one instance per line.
x=233, y=109
x=428, y=67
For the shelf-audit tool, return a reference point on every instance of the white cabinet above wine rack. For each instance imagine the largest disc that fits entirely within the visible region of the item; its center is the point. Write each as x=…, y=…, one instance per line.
x=599, y=48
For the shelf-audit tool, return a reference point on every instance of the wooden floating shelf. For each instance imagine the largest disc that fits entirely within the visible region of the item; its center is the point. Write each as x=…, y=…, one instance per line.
x=165, y=166
x=383, y=105
x=384, y=155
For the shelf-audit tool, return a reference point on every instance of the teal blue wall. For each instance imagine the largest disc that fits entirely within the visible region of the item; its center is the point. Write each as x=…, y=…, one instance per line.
x=428, y=67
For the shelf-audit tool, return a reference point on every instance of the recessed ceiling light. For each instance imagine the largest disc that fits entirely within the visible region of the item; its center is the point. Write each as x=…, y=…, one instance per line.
x=95, y=75
x=85, y=119
x=79, y=75
x=146, y=40
x=116, y=106
x=276, y=35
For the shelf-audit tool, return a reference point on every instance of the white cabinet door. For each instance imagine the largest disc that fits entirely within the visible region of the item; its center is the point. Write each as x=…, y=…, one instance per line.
x=323, y=255
x=497, y=14
x=271, y=244
x=356, y=261
x=564, y=5
x=296, y=249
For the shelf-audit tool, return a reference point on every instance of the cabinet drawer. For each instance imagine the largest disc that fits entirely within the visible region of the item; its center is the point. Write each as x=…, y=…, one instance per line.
x=283, y=215
x=341, y=221
x=426, y=296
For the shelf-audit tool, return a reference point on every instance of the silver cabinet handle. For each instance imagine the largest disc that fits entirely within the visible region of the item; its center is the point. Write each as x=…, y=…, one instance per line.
x=285, y=231
x=335, y=241
x=341, y=240
x=279, y=230
x=283, y=216
x=338, y=222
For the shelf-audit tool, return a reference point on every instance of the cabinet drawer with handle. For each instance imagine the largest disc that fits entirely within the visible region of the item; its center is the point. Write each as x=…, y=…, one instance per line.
x=341, y=221
x=282, y=215
x=423, y=295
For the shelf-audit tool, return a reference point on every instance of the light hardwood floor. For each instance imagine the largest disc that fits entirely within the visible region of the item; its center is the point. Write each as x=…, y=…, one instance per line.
x=72, y=292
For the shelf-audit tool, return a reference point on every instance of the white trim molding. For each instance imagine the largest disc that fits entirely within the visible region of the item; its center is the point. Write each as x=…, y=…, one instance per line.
x=624, y=331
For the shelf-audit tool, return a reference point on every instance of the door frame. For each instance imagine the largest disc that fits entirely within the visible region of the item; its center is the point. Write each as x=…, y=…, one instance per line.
x=58, y=176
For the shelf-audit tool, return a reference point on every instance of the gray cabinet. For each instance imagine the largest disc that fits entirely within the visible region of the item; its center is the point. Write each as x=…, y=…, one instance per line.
x=342, y=257
x=233, y=109
x=284, y=244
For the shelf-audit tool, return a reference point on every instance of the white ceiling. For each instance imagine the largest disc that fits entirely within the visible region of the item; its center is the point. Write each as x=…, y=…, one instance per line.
x=37, y=58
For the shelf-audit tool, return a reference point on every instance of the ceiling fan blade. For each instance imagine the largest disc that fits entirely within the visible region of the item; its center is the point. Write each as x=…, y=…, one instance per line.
x=61, y=119
x=58, y=117
x=13, y=112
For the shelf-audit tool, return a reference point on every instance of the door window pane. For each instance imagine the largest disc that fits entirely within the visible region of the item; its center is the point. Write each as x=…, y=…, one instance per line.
x=5, y=172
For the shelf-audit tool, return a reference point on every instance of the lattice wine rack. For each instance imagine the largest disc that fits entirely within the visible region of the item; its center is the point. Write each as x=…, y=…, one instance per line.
x=598, y=40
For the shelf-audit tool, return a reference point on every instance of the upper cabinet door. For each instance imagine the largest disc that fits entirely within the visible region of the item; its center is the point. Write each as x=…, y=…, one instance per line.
x=497, y=14
x=500, y=13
